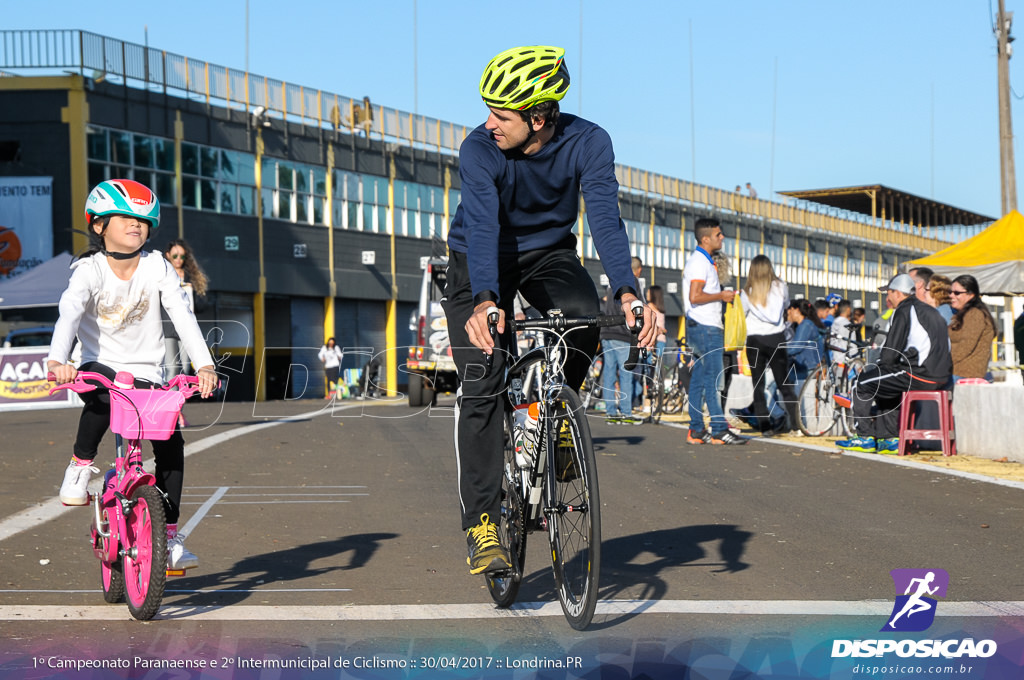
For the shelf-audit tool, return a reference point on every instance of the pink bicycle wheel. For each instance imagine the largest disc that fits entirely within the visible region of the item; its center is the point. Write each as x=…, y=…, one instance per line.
x=145, y=560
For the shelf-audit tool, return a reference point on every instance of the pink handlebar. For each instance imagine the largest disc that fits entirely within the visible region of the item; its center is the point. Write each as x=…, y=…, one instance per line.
x=188, y=385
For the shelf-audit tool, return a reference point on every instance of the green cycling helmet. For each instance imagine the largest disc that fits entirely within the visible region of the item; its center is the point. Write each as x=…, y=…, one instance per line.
x=523, y=76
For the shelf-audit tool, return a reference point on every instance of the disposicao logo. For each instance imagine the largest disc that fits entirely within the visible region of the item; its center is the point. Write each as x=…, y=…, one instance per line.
x=915, y=606
x=914, y=611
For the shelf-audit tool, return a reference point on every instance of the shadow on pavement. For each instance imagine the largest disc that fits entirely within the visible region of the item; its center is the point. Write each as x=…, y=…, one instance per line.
x=245, y=578
x=631, y=566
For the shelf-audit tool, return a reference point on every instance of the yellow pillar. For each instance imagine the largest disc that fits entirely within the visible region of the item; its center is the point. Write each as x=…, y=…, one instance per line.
x=259, y=322
x=179, y=135
x=807, y=268
x=447, y=213
x=332, y=286
x=650, y=249
x=76, y=116
x=391, y=328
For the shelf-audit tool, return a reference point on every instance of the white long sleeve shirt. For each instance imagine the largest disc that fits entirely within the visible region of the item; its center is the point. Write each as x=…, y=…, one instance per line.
x=118, y=322
x=769, y=318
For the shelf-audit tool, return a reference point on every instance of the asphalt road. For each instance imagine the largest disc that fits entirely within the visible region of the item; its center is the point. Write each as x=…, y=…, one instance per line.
x=332, y=534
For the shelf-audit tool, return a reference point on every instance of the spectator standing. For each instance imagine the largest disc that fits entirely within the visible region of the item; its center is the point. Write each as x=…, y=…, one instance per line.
x=751, y=190
x=730, y=354
x=194, y=282
x=705, y=335
x=857, y=319
x=915, y=356
x=842, y=332
x=615, y=341
x=938, y=296
x=765, y=300
x=971, y=331
x=330, y=356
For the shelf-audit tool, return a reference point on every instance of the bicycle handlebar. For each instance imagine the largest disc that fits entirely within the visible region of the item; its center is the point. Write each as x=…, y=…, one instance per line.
x=563, y=323
x=188, y=385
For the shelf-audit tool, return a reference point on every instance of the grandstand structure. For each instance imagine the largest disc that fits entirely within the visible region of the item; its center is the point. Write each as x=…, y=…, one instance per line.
x=314, y=212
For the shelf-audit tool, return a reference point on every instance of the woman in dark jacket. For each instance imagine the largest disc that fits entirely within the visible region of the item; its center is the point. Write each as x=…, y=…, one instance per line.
x=807, y=348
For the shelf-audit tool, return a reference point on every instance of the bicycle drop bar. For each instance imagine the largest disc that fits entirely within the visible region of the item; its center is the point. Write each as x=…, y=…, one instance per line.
x=563, y=323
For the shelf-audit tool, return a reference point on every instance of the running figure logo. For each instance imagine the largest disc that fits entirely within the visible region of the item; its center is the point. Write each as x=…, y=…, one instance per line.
x=914, y=609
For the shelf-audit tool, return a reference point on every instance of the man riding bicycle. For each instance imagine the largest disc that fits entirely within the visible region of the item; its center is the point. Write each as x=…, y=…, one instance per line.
x=522, y=172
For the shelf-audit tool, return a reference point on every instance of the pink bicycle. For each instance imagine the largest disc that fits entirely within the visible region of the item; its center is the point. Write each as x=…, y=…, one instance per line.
x=129, y=527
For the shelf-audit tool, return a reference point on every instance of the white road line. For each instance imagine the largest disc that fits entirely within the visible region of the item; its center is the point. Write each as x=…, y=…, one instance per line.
x=271, y=502
x=433, y=612
x=893, y=460
x=199, y=514
x=53, y=508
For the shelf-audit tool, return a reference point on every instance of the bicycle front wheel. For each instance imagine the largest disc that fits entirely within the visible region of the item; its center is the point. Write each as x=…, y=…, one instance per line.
x=504, y=586
x=817, y=409
x=145, y=560
x=573, y=510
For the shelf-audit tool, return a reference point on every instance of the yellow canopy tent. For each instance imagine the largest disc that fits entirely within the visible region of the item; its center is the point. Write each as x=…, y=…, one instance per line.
x=995, y=257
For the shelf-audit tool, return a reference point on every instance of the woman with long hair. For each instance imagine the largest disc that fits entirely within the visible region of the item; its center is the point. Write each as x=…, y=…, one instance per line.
x=938, y=296
x=807, y=348
x=971, y=331
x=765, y=300
x=194, y=282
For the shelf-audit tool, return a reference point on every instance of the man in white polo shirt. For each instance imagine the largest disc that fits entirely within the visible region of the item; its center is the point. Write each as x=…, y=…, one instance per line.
x=705, y=335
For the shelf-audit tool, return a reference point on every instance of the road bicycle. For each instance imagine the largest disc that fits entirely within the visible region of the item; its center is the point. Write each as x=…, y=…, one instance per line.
x=824, y=400
x=549, y=472
x=129, y=526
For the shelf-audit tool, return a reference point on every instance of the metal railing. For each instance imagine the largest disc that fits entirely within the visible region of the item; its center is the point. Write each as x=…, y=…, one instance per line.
x=101, y=57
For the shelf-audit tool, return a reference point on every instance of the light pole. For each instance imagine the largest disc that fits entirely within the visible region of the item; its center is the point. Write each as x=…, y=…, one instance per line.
x=259, y=321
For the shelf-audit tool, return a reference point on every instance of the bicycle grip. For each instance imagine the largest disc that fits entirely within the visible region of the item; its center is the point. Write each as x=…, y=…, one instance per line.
x=638, y=323
x=492, y=328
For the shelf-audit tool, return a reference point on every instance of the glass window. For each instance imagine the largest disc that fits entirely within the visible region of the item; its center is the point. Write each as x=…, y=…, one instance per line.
x=209, y=158
x=189, y=192
x=245, y=168
x=301, y=179
x=320, y=181
x=267, y=202
x=97, y=142
x=227, y=197
x=143, y=152
x=284, y=205
x=208, y=199
x=229, y=162
x=164, y=152
x=285, y=177
x=121, y=148
x=165, y=188
x=189, y=159
x=300, y=207
x=245, y=205
x=318, y=209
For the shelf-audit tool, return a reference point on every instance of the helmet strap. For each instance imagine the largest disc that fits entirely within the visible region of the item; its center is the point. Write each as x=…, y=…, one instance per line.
x=121, y=256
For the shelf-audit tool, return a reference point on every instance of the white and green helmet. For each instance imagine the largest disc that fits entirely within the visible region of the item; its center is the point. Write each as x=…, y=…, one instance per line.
x=123, y=197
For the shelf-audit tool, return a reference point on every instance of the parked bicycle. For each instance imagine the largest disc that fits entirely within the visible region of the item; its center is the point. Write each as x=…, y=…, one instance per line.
x=129, y=528
x=549, y=473
x=668, y=391
x=824, y=400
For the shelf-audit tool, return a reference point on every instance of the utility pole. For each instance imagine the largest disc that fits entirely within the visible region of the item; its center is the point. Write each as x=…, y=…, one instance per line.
x=1007, y=174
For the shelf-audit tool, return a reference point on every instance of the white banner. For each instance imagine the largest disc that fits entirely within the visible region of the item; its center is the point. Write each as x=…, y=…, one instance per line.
x=26, y=223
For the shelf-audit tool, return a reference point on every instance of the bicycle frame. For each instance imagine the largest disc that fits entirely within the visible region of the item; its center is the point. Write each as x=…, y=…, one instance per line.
x=128, y=484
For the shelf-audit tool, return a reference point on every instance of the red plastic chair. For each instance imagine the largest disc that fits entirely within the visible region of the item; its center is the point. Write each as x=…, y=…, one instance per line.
x=946, y=433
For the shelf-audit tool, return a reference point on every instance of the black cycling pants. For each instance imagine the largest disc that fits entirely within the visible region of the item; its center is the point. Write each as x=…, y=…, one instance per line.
x=169, y=454
x=547, y=279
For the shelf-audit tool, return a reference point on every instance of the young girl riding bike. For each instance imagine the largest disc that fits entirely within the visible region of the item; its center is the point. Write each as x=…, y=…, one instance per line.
x=112, y=303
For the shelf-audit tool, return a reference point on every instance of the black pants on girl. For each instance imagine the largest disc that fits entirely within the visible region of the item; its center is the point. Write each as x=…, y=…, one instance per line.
x=95, y=421
x=768, y=352
x=547, y=279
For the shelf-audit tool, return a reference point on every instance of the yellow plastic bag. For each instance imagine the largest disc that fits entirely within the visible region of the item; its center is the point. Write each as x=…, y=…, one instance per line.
x=735, y=326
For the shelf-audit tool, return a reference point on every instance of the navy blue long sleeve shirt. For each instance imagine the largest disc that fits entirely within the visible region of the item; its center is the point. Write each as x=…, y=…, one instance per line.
x=513, y=203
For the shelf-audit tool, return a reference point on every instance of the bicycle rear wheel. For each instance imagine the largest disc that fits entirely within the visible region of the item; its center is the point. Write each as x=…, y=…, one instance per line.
x=847, y=419
x=504, y=586
x=817, y=409
x=145, y=560
x=573, y=510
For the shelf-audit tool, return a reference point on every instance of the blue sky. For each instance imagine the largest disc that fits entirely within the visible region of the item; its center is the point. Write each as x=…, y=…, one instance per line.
x=900, y=93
